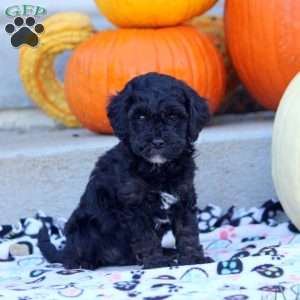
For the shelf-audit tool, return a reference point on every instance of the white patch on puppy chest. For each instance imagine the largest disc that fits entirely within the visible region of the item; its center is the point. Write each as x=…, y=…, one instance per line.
x=157, y=159
x=167, y=200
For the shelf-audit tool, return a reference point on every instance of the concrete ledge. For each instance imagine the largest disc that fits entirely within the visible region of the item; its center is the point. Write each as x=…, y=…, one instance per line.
x=26, y=119
x=48, y=169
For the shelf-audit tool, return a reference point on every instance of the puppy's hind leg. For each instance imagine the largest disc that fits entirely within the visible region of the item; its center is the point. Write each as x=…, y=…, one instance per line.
x=96, y=240
x=145, y=243
x=115, y=249
x=94, y=234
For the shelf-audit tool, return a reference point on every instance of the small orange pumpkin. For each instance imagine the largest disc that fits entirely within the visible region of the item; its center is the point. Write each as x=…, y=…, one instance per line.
x=262, y=39
x=102, y=65
x=152, y=13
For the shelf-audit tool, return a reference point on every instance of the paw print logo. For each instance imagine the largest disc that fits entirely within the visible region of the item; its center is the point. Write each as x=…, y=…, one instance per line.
x=134, y=294
x=24, y=31
x=174, y=288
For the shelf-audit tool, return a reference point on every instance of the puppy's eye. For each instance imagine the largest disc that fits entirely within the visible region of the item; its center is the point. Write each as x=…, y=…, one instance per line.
x=141, y=117
x=172, y=116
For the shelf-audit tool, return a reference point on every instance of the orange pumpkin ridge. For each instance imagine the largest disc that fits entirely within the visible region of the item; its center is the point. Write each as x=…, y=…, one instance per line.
x=102, y=65
x=262, y=43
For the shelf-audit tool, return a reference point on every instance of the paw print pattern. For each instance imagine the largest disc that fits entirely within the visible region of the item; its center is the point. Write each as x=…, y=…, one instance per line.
x=219, y=244
x=40, y=279
x=270, y=251
x=269, y=270
x=232, y=287
x=293, y=228
x=126, y=285
x=227, y=233
x=163, y=297
x=270, y=210
x=296, y=289
x=174, y=288
x=266, y=251
x=71, y=291
x=236, y=297
x=194, y=274
x=277, y=257
x=207, y=218
x=252, y=239
x=69, y=271
x=165, y=277
x=4, y=230
x=272, y=288
x=24, y=31
x=37, y=273
x=170, y=288
x=137, y=274
x=229, y=267
x=241, y=254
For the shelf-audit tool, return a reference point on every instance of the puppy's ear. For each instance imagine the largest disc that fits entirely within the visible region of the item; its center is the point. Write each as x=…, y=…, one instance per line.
x=198, y=111
x=117, y=112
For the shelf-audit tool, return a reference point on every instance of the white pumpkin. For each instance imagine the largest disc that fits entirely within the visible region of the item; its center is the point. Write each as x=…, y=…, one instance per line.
x=286, y=151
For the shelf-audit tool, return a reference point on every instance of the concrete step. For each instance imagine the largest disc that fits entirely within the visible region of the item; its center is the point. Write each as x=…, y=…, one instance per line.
x=48, y=168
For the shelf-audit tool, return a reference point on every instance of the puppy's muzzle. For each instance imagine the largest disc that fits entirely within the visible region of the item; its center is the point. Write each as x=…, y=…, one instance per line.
x=158, y=143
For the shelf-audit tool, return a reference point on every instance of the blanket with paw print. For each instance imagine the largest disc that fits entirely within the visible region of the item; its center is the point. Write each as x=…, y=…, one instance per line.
x=256, y=257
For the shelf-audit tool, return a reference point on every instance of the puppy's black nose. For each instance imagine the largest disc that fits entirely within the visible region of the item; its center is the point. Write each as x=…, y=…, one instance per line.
x=158, y=143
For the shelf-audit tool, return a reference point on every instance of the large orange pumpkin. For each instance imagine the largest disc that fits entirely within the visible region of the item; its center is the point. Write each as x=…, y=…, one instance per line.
x=102, y=65
x=152, y=13
x=263, y=41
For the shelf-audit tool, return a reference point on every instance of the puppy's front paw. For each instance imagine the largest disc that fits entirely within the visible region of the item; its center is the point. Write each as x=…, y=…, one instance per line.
x=71, y=264
x=194, y=259
x=157, y=262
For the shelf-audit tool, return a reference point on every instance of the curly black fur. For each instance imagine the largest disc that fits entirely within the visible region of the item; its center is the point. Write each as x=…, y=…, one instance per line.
x=157, y=118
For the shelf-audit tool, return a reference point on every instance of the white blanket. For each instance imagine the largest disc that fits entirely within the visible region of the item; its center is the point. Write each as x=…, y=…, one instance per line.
x=256, y=258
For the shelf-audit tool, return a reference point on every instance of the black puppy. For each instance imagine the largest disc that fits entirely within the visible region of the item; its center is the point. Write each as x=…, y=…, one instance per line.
x=142, y=183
